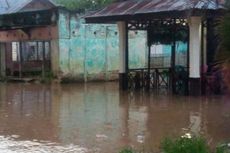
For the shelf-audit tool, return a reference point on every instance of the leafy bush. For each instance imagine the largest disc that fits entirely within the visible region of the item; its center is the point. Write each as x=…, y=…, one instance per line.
x=223, y=53
x=224, y=33
x=127, y=151
x=185, y=145
x=222, y=149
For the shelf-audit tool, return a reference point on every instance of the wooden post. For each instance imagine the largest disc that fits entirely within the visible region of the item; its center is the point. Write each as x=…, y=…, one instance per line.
x=124, y=56
x=3, y=59
x=50, y=56
x=188, y=59
x=127, y=49
x=43, y=60
x=37, y=49
x=173, y=58
x=203, y=85
x=20, y=59
x=149, y=66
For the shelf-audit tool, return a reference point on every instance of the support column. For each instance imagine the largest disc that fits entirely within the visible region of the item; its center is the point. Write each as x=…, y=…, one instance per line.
x=149, y=67
x=43, y=60
x=173, y=60
x=20, y=59
x=123, y=52
x=203, y=60
x=195, y=55
x=54, y=56
x=3, y=59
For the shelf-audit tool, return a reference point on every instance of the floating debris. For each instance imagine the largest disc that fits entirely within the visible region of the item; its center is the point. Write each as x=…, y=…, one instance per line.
x=187, y=135
x=140, y=138
x=101, y=137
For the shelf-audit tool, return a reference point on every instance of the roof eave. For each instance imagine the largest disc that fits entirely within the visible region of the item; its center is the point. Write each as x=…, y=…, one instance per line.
x=155, y=15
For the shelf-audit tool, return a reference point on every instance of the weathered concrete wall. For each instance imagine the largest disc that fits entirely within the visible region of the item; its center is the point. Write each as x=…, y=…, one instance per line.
x=138, y=54
x=91, y=51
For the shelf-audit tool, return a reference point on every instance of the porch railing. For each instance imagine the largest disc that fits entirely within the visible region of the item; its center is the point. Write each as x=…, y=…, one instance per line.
x=159, y=78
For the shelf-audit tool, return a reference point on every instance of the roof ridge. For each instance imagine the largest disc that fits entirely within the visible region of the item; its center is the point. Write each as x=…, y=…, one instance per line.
x=16, y=6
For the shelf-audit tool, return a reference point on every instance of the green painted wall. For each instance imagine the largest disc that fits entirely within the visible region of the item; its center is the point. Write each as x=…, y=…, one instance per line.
x=91, y=51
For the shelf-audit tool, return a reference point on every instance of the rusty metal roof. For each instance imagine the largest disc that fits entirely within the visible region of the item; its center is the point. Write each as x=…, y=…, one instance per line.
x=131, y=8
x=14, y=6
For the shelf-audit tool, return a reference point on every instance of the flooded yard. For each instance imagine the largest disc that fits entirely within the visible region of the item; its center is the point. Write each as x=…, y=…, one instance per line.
x=98, y=118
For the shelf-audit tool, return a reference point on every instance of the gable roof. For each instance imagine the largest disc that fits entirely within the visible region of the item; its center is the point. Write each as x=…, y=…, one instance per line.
x=14, y=6
x=133, y=8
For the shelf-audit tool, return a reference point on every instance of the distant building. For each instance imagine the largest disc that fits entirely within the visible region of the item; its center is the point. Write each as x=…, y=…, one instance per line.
x=41, y=38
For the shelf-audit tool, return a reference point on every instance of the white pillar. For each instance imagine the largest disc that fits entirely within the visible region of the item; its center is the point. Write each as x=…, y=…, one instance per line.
x=122, y=46
x=195, y=47
x=195, y=25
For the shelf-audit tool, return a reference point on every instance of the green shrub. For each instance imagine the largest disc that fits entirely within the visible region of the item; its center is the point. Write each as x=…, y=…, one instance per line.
x=222, y=149
x=127, y=151
x=185, y=145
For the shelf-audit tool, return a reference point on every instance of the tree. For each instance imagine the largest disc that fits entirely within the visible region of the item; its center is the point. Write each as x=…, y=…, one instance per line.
x=84, y=5
x=224, y=48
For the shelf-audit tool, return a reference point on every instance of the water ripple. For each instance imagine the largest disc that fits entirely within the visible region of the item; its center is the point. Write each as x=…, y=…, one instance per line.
x=9, y=145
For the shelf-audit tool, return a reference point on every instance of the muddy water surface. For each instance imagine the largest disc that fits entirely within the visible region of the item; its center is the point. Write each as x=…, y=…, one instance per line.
x=98, y=118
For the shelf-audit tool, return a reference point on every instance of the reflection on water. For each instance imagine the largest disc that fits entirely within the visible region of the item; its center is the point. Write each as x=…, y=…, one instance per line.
x=99, y=118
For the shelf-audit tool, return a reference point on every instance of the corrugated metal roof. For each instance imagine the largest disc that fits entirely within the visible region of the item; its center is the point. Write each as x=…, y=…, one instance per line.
x=137, y=7
x=5, y=5
x=14, y=6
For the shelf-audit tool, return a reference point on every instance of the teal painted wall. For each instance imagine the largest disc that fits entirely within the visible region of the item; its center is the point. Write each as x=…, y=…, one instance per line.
x=91, y=51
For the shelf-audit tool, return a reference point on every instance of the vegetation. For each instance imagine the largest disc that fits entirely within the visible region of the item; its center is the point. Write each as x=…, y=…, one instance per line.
x=185, y=145
x=224, y=32
x=224, y=48
x=84, y=5
x=127, y=151
x=222, y=149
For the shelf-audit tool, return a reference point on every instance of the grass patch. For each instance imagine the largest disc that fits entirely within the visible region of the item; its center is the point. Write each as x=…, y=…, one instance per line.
x=223, y=148
x=127, y=151
x=185, y=145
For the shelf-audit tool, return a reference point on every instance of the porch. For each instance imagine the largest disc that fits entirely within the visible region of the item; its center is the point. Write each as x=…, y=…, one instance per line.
x=165, y=25
x=27, y=59
x=25, y=43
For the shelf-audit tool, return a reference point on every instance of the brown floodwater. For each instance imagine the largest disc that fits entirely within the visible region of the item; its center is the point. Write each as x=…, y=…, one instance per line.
x=98, y=118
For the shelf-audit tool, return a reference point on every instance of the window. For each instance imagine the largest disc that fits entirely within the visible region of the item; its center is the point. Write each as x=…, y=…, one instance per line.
x=156, y=50
x=33, y=51
x=160, y=55
x=40, y=50
x=47, y=50
x=15, y=51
